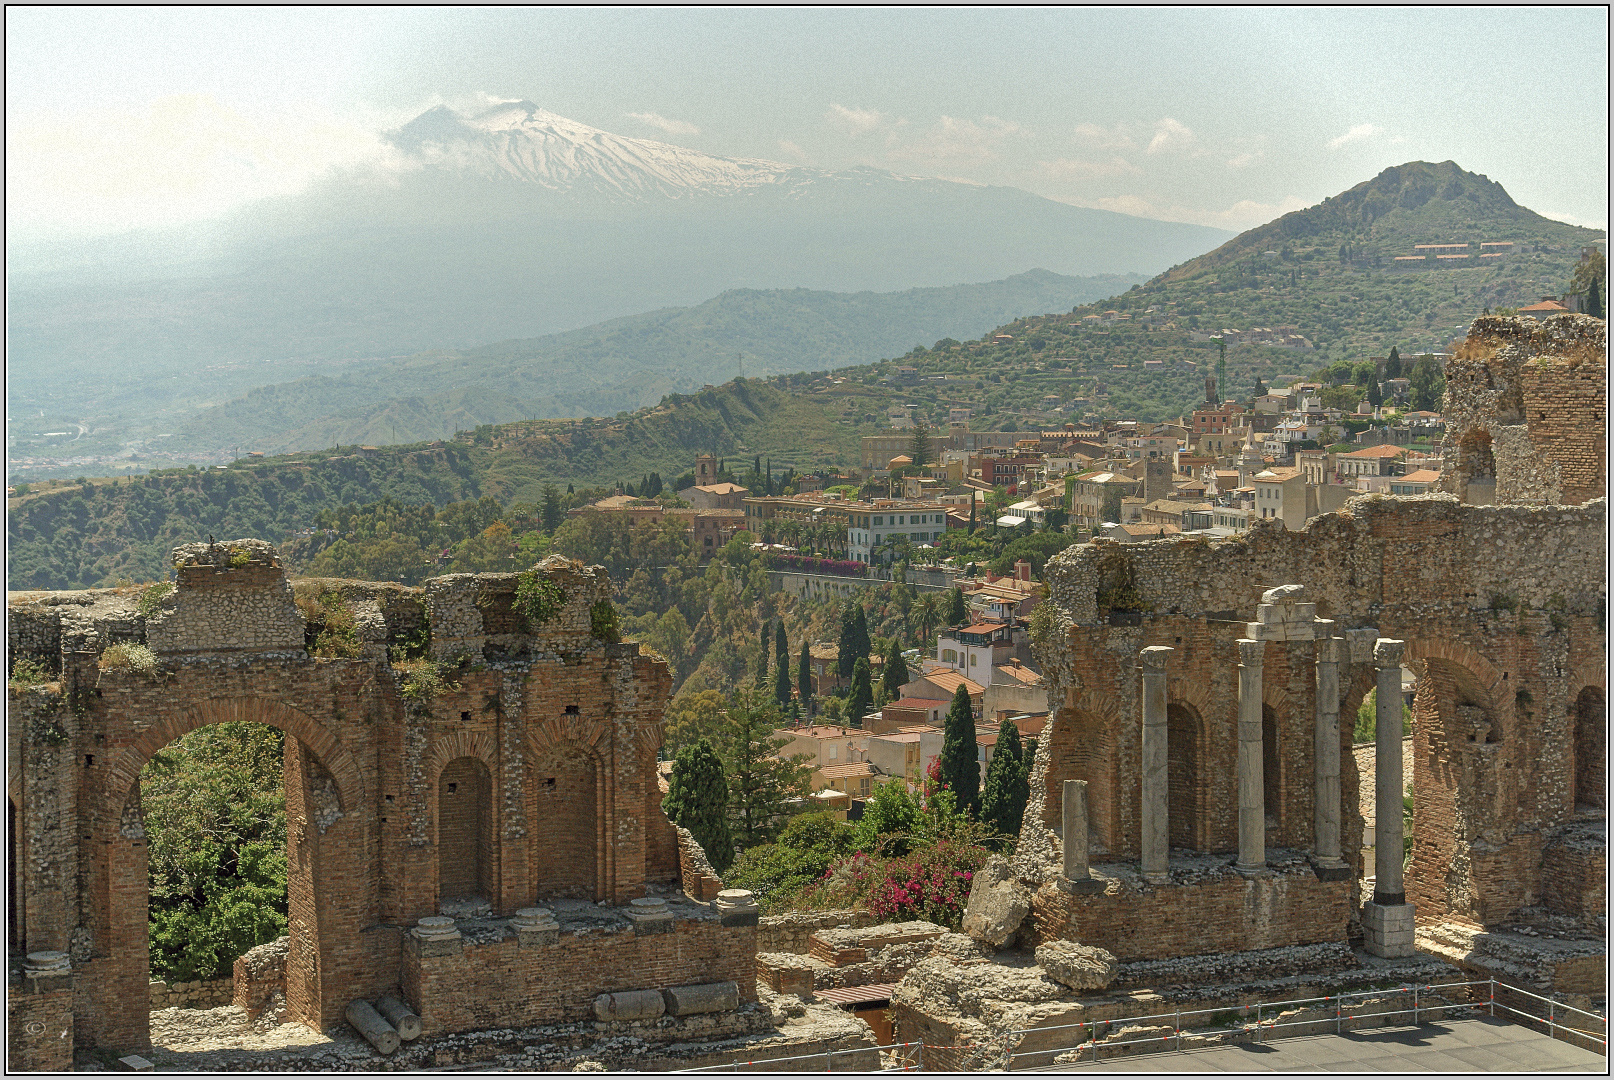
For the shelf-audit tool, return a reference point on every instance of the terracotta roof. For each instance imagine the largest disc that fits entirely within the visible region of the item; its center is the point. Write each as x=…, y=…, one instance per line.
x=821, y=731
x=1149, y=531
x=721, y=489
x=918, y=703
x=1284, y=472
x=857, y=768
x=1385, y=451
x=951, y=680
x=826, y=651
x=1422, y=476
x=981, y=628
x=1545, y=305
x=1020, y=673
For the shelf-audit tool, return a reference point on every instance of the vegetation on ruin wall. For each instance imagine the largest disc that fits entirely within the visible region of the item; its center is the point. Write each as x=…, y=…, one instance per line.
x=215, y=817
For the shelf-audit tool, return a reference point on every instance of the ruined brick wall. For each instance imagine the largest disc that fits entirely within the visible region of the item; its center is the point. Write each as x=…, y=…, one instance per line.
x=1213, y=909
x=369, y=835
x=1526, y=411
x=507, y=984
x=39, y=1024
x=1502, y=610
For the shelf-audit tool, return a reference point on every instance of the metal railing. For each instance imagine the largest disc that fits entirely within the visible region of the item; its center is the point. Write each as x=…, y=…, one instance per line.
x=1258, y=1021
x=893, y=1057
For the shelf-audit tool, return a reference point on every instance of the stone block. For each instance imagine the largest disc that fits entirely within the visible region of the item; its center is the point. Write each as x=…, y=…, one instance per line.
x=998, y=904
x=135, y=1063
x=629, y=1005
x=1078, y=966
x=737, y=907
x=1388, y=929
x=702, y=998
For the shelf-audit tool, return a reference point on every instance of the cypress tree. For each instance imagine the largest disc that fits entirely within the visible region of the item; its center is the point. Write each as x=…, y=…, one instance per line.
x=1392, y=366
x=781, y=648
x=861, y=696
x=1003, y=798
x=804, y=676
x=762, y=658
x=698, y=800
x=895, y=673
x=847, y=641
x=960, y=770
x=957, y=611
x=861, y=644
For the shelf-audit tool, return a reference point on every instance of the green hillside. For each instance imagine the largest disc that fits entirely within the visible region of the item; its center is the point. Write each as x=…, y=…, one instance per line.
x=1334, y=282
x=600, y=370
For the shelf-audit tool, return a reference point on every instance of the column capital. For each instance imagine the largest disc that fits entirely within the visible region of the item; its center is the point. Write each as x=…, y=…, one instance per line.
x=1387, y=652
x=1331, y=650
x=1360, y=642
x=1251, y=653
x=1154, y=657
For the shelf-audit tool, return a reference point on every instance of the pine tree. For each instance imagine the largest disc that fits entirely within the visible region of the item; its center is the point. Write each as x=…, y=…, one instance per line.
x=552, y=515
x=861, y=697
x=957, y=611
x=960, y=770
x=1003, y=798
x=804, y=676
x=761, y=783
x=698, y=800
x=895, y=675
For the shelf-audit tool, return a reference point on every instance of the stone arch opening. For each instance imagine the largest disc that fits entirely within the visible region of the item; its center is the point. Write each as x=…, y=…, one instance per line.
x=568, y=847
x=1476, y=466
x=1184, y=752
x=321, y=787
x=1591, y=748
x=1271, y=768
x=465, y=854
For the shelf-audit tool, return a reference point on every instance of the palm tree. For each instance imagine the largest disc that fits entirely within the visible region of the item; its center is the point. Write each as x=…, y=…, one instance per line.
x=925, y=613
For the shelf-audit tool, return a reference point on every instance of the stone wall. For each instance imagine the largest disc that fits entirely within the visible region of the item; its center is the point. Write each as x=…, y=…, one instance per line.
x=1526, y=411
x=199, y=994
x=39, y=1024
x=1502, y=611
x=504, y=983
x=792, y=931
x=560, y=729
x=1207, y=908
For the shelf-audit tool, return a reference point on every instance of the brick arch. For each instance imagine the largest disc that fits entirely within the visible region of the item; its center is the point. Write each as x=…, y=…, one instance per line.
x=572, y=856
x=1486, y=676
x=124, y=770
x=566, y=728
x=472, y=744
x=1080, y=744
x=1195, y=693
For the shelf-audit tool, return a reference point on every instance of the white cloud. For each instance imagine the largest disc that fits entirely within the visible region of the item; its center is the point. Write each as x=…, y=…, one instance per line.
x=1245, y=214
x=181, y=158
x=1575, y=219
x=1355, y=134
x=1170, y=135
x=1103, y=138
x=662, y=123
x=791, y=151
x=956, y=140
x=854, y=121
x=1071, y=169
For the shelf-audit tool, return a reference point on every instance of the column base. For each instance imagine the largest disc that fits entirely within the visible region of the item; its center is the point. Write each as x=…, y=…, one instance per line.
x=1388, y=929
x=1259, y=870
x=1161, y=877
x=1083, y=886
x=1330, y=869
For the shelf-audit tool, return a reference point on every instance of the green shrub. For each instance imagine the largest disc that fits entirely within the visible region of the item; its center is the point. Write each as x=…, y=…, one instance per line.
x=423, y=680
x=239, y=557
x=338, y=636
x=129, y=656
x=538, y=598
x=26, y=673
x=602, y=621
x=152, y=596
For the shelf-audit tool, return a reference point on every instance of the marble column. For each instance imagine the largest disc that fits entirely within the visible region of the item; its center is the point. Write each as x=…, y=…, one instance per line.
x=1388, y=921
x=1155, y=792
x=1075, y=832
x=1325, y=758
x=1252, y=795
x=1387, y=768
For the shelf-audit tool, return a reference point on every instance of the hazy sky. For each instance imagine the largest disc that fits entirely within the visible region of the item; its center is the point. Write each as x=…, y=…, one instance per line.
x=121, y=117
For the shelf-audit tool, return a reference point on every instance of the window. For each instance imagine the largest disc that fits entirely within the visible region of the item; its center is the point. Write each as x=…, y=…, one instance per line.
x=833, y=751
x=949, y=656
x=973, y=659
x=878, y=521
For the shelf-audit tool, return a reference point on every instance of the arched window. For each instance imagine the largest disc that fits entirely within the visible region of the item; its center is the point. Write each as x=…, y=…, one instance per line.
x=1183, y=729
x=464, y=831
x=1591, y=748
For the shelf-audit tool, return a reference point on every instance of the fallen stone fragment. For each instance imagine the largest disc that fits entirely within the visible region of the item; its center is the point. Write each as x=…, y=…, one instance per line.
x=1078, y=966
x=997, y=905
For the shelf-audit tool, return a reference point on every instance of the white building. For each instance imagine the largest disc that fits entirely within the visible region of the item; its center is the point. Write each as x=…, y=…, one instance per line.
x=973, y=650
x=873, y=526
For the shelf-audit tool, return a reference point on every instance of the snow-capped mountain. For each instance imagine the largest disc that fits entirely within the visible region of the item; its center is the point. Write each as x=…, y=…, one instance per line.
x=520, y=141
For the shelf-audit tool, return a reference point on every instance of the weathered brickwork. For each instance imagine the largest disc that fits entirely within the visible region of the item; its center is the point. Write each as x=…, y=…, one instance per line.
x=1526, y=411
x=1502, y=610
x=39, y=1024
x=1208, y=907
x=530, y=777
x=504, y=983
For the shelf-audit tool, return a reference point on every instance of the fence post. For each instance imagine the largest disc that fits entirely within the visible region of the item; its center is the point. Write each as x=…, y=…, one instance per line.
x=1258, y=1036
x=1552, y=1028
x=1493, y=997
x=1176, y=1024
x=1414, y=1006
x=829, y=1059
